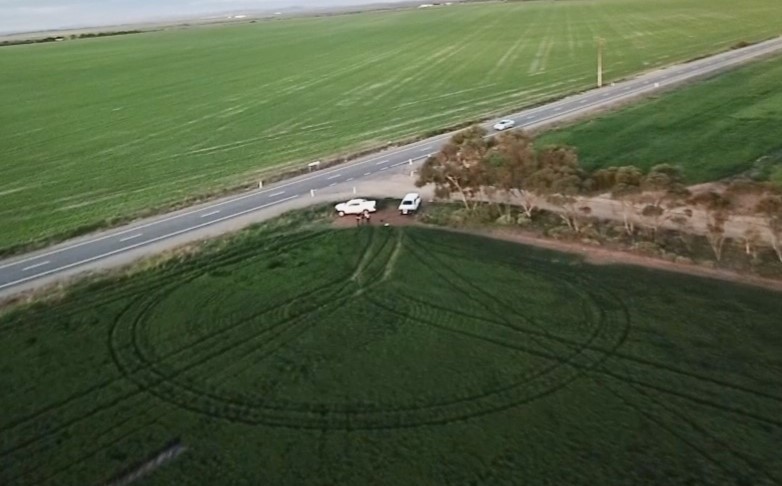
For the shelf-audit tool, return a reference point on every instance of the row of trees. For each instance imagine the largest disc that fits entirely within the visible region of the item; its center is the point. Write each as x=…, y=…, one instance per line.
x=509, y=170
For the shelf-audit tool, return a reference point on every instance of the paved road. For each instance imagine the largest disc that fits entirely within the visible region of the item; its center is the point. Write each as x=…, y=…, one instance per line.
x=23, y=271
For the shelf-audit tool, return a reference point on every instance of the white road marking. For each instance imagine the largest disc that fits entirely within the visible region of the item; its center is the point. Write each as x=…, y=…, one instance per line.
x=348, y=180
x=210, y=213
x=131, y=237
x=384, y=168
x=278, y=193
x=333, y=184
x=557, y=108
x=332, y=177
x=381, y=162
x=120, y=250
x=367, y=173
x=424, y=149
x=36, y=265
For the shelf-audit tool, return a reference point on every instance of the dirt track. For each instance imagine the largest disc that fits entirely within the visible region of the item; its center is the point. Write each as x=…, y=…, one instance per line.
x=604, y=256
x=592, y=254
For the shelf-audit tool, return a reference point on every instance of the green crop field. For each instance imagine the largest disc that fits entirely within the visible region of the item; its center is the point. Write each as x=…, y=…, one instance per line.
x=722, y=127
x=394, y=356
x=93, y=130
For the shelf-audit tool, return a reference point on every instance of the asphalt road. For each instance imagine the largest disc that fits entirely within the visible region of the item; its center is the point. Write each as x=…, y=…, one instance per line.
x=22, y=271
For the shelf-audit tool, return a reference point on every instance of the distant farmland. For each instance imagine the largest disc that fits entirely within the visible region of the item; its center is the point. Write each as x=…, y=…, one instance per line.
x=420, y=357
x=101, y=128
x=715, y=129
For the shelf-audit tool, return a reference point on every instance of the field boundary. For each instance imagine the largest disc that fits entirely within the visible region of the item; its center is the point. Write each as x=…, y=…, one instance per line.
x=605, y=256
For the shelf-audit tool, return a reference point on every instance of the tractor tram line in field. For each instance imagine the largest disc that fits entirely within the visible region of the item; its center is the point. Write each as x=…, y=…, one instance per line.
x=598, y=293
x=178, y=276
x=601, y=370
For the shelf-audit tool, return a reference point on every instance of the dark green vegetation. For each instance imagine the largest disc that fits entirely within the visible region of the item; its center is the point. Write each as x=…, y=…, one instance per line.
x=719, y=128
x=102, y=128
x=87, y=35
x=394, y=356
x=491, y=175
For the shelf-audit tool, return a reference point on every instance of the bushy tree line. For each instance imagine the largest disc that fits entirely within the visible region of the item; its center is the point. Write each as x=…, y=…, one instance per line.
x=508, y=170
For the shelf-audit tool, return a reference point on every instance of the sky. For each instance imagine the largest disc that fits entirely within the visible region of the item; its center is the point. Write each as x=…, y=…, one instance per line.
x=36, y=15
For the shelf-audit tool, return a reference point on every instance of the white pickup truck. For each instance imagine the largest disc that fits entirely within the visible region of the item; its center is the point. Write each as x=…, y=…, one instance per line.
x=356, y=206
x=410, y=203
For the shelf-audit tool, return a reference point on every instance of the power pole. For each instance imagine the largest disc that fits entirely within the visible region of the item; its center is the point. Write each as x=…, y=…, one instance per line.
x=600, y=44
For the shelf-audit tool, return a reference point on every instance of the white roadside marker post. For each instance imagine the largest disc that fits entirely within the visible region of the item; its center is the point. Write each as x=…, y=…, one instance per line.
x=312, y=192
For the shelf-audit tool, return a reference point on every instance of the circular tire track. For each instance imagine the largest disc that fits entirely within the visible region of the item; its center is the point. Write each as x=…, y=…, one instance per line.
x=108, y=393
x=604, y=317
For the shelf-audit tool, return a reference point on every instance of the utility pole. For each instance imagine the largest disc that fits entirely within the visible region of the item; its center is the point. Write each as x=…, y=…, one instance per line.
x=600, y=44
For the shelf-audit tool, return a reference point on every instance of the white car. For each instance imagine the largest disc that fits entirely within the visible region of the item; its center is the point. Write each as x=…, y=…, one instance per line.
x=410, y=203
x=356, y=206
x=504, y=125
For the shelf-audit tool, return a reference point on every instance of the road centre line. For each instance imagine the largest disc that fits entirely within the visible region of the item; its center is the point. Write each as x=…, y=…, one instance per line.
x=381, y=162
x=36, y=265
x=278, y=193
x=131, y=237
x=332, y=177
x=142, y=243
x=210, y=213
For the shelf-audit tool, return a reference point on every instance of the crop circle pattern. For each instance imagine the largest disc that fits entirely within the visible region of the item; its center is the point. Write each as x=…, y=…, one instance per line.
x=602, y=328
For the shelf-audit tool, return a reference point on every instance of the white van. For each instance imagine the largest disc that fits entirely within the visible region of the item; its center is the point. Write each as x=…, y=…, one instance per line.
x=410, y=203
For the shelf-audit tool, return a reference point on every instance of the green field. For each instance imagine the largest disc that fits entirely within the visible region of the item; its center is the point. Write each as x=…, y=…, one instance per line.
x=722, y=127
x=394, y=356
x=104, y=128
